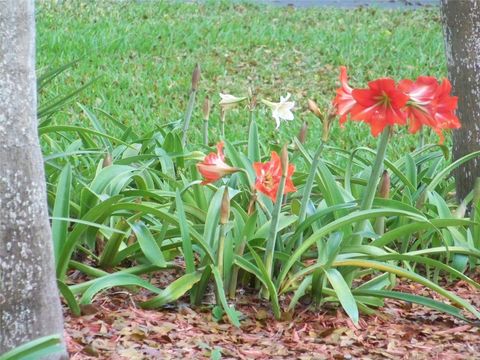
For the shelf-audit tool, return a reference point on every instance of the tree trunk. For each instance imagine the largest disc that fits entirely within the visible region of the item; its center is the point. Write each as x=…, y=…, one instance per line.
x=29, y=302
x=461, y=26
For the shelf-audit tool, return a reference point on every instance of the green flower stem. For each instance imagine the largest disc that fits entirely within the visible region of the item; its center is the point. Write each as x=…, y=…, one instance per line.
x=307, y=190
x=205, y=132
x=222, y=124
x=272, y=236
x=475, y=207
x=380, y=225
x=262, y=207
x=421, y=144
x=221, y=250
x=188, y=115
x=370, y=190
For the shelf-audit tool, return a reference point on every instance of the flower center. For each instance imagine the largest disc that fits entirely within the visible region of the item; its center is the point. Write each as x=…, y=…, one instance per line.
x=383, y=99
x=268, y=181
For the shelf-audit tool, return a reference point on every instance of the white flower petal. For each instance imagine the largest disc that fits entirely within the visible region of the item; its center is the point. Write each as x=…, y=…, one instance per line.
x=281, y=110
x=284, y=99
x=228, y=99
x=287, y=115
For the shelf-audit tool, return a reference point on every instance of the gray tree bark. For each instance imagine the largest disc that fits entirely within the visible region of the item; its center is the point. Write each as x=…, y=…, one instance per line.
x=29, y=302
x=461, y=27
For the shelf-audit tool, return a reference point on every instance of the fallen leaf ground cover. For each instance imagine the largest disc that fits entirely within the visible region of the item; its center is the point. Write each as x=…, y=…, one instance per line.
x=114, y=327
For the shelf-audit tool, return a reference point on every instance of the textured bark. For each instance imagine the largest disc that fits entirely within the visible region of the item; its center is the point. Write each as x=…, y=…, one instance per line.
x=29, y=301
x=461, y=25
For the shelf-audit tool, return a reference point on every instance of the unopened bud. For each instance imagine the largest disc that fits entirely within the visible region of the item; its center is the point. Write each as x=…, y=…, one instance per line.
x=225, y=207
x=302, y=134
x=196, y=77
x=207, y=106
x=313, y=107
x=107, y=160
x=284, y=160
x=385, y=185
x=327, y=123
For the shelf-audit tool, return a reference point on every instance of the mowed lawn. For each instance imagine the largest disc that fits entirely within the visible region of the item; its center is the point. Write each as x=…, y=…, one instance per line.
x=143, y=54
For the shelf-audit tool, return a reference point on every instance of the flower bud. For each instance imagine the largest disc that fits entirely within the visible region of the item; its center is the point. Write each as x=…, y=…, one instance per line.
x=229, y=101
x=225, y=207
x=107, y=160
x=313, y=107
x=284, y=160
x=385, y=185
x=207, y=106
x=196, y=77
x=302, y=134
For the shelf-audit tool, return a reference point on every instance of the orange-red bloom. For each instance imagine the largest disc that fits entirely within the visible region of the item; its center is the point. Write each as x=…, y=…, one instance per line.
x=444, y=107
x=430, y=104
x=269, y=175
x=344, y=100
x=424, y=102
x=419, y=107
x=213, y=167
x=380, y=105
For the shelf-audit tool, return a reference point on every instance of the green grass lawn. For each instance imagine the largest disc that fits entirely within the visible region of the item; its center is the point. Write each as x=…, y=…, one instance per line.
x=145, y=53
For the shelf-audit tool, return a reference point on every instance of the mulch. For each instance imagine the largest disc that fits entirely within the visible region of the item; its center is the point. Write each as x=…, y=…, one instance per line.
x=114, y=327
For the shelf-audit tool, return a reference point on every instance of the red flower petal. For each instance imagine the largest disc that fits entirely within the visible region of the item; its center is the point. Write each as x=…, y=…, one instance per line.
x=269, y=175
x=213, y=167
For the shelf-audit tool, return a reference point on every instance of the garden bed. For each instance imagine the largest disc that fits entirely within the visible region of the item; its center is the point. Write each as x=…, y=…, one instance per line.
x=116, y=328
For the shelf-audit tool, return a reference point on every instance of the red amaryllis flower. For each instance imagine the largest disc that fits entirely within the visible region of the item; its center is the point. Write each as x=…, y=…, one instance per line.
x=444, y=106
x=213, y=167
x=344, y=100
x=430, y=104
x=380, y=105
x=419, y=107
x=269, y=175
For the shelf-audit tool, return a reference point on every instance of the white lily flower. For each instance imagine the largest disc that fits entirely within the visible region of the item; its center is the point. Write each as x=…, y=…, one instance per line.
x=281, y=110
x=229, y=101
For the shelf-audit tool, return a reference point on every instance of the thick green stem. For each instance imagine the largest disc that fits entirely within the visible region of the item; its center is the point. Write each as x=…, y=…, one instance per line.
x=221, y=250
x=272, y=236
x=370, y=190
x=307, y=190
x=222, y=124
x=421, y=143
x=475, y=228
x=205, y=132
x=188, y=115
x=380, y=225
